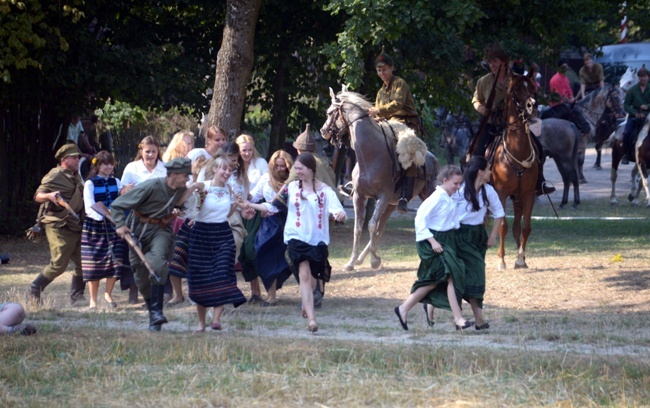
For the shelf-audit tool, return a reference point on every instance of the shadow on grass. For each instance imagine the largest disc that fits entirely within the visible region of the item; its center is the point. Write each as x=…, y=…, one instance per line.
x=637, y=280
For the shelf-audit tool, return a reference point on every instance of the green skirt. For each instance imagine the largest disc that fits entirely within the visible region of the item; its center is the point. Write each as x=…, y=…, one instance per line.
x=247, y=252
x=472, y=251
x=435, y=269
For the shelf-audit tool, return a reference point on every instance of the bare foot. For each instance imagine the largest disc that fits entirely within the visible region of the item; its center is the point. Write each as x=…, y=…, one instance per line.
x=313, y=326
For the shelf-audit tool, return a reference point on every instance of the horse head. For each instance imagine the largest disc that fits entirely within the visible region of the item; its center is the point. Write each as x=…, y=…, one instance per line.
x=521, y=94
x=346, y=108
x=628, y=79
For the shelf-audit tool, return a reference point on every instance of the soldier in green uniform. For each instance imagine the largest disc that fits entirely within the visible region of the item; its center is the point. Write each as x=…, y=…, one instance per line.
x=152, y=205
x=62, y=229
x=394, y=101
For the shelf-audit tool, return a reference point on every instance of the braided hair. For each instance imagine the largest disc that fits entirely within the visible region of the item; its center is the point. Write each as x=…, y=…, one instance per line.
x=471, y=195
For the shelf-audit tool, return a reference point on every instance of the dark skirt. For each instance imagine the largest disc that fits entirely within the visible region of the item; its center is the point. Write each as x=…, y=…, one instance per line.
x=299, y=251
x=103, y=253
x=247, y=251
x=435, y=269
x=178, y=264
x=211, y=274
x=270, y=251
x=473, y=239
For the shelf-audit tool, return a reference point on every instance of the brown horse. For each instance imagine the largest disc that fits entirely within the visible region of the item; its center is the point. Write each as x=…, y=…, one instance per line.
x=514, y=171
x=376, y=174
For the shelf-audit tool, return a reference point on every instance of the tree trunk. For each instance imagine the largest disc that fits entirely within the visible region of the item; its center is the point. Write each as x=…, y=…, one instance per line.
x=278, y=132
x=234, y=66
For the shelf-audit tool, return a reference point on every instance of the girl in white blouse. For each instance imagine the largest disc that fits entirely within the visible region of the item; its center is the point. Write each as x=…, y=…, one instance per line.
x=147, y=164
x=309, y=202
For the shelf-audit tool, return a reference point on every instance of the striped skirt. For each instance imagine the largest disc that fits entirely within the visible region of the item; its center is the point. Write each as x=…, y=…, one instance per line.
x=211, y=274
x=103, y=253
x=178, y=264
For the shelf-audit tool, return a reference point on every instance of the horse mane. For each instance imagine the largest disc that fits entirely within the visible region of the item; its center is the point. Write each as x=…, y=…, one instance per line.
x=355, y=98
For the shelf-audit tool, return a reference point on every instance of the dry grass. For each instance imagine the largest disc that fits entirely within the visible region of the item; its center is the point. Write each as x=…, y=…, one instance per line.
x=570, y=331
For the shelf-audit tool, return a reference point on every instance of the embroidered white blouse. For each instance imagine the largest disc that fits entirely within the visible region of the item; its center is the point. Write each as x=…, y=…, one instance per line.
x=216, y=205
x=464, y=212
x=436, y=213
x=256, y=170
x=263, y=190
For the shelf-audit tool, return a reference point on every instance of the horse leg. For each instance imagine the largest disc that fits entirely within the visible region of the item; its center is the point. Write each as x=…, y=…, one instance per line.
x=645, y=179
x=375, y=259
x=503, y=231
x=599, y=150
x=527, y=208
x=359, y=215
x=613, y=175
x=565, y=192
x=573, y=178
x=375, y=228
x=582, y=148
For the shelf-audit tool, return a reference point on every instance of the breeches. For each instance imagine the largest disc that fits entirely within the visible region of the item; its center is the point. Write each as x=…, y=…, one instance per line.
x=158, y=249
x=65, y=246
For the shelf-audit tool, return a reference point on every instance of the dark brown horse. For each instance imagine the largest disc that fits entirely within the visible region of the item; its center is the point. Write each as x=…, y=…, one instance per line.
x=514, y=172
x=376, y=173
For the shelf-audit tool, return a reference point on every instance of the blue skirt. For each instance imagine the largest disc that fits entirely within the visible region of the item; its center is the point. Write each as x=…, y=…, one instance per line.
x=103, y=253
x=270, y=251
x=178, y=264
x=211, y=274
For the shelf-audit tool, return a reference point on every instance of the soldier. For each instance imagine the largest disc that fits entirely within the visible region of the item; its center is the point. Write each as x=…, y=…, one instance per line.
x=61, y=195
x=152, y=203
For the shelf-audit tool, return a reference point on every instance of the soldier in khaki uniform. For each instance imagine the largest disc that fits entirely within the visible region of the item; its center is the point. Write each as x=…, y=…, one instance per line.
x=62, y=229
x=152, y=203
x=394, y=101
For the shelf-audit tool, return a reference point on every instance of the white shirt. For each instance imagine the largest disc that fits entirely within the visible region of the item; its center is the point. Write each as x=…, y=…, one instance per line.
x=263, y=190
x=312, y=225
x=216, y=206
x=257, y=168
x=89, y=199
x=198, y=152
x=136, y=172
x=467, y=216
x=436, y=213
x=74, y=131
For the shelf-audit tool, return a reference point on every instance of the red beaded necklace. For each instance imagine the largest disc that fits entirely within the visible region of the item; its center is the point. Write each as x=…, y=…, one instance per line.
x=320, y=198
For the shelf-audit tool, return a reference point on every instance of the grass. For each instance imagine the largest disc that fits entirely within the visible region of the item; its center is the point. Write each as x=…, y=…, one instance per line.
x=570, y=331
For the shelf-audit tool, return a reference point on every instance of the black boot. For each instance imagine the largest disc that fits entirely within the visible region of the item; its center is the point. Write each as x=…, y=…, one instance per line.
x=77, y=288
x=133, y=295
x=155, y=304
x=37, y=287
x=542, y=188
x=407, y=194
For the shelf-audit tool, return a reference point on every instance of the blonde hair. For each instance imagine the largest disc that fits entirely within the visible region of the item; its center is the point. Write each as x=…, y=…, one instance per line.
x=276, y=179
x=244, y=138
x=176, y=147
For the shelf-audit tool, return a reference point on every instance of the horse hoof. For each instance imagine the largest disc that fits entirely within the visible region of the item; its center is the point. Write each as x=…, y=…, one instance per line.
x=375, y=263
x=502, y=267
x=575, y=206
x=583, y=181
x=562, y=206
x=348, y=267
x=597, y=167
x=520, y=265
x=630, y=198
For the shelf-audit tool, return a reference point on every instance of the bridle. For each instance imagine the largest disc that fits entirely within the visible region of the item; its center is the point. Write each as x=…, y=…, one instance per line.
x=521, y=107
x=336, y=134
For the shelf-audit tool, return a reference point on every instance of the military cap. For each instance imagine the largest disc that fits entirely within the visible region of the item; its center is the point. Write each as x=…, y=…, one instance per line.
x=68, y=149
x=497, y=51
x=179, y=165
x=383, y=59
x=642, y=71
x=562, y=61
x=305, y=141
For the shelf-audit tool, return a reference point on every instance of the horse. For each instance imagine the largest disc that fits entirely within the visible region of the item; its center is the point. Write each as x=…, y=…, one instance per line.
x=376, y=173
x=515, y=167
x=456, y=135
x=642, y=156
x=561, y=140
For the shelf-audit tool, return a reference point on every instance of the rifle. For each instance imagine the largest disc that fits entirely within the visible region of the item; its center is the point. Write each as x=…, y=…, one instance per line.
x=130, y=238
x=60, y=201
x=484, y=119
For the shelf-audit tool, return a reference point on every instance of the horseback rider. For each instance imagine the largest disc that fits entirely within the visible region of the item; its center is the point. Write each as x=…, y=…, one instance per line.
x=394, y=101
x=637, y=105
x=591, y=76
x=562, y=103
x=485, y=86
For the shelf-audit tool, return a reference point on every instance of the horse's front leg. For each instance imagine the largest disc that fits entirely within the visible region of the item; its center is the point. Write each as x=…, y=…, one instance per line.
x=359, y=215
x=503, y=231
x=599, y=150
x=375, y=228
x=613, y=175
x=525, y=210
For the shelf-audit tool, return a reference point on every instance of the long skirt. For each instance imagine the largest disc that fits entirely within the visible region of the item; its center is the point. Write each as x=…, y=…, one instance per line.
x=435, y=269
x=270, y=251
x=211, y=274
x=178, y=264
x=319, y=265
x=247, y=252
x=103, y=253
x=473, y=239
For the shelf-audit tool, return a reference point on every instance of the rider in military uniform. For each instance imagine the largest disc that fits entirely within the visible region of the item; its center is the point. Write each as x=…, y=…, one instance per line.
x=152, y=205
x=394, y=101
x=498, y=61
x=63, y=230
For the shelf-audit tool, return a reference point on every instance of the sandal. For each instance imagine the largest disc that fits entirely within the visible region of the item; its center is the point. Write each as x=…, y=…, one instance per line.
x=272, y=303
x=216, y=326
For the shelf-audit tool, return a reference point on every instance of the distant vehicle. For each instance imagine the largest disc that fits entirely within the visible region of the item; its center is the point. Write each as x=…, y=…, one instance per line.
x=616, y=58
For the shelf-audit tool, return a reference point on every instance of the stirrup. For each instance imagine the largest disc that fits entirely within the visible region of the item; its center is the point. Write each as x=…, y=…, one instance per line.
x=545, y=188
x=347, y=189
x=402, y=205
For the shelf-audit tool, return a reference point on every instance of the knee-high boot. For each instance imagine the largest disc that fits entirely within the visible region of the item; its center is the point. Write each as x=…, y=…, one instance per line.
x=407, y=194
x=155, y=305
x=77, y=289
x=37, y=287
